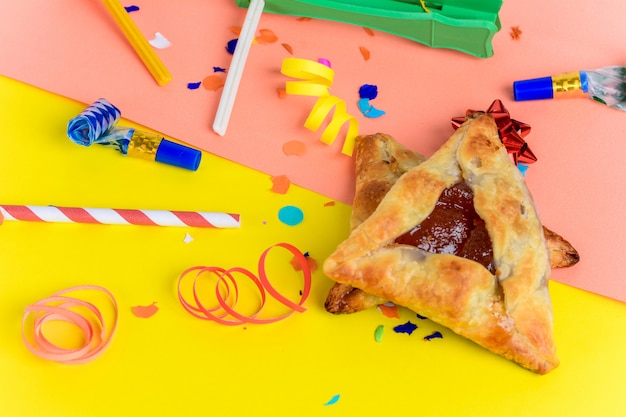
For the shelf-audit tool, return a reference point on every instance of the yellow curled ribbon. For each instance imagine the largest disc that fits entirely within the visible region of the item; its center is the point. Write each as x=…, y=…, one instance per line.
x=316, y=80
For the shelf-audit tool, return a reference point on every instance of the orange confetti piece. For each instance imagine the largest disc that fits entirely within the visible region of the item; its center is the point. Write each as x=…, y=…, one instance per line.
x=389, y=310
x=282, y=92
x=365, y=52
x=288, y=48
x=298, y=267
x=281, y=184
x=303, y=19
x=235, y=29
x=266, y=37
x=145, y=312
x=213, y=82
x=329, y=204
x=515, y=32
x=294, y=148
x=369, y=31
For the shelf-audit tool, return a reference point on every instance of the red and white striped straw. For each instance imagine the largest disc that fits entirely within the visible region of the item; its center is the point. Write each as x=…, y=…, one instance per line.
x=120, y=216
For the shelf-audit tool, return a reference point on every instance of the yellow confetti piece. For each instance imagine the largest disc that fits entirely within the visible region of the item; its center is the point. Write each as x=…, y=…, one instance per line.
x=315, y=80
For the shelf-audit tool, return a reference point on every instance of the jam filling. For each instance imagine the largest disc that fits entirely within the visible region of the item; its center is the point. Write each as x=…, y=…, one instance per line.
x=454, y=228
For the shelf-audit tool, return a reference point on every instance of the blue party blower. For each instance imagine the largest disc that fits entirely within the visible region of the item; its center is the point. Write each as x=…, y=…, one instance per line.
x=605, y=85
x=97, y=124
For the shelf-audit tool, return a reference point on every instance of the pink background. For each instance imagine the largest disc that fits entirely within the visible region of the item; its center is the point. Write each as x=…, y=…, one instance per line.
x=74, y=48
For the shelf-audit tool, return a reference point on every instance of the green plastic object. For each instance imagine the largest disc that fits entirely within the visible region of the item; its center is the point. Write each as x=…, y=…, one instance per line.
x=463, y=25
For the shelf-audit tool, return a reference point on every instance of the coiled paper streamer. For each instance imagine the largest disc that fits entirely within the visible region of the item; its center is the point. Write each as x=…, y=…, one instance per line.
x=227, y=291
x=316, y=80
x=81, y=313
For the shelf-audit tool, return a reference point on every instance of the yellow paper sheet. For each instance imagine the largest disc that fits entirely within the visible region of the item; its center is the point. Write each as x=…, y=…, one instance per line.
x=172, y=364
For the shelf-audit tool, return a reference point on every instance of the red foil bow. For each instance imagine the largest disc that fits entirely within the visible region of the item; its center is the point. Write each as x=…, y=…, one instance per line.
x=511, y=132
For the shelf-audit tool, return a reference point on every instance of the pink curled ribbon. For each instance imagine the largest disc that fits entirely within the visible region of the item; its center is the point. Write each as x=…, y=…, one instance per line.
x=81, y=313
x=227, y=291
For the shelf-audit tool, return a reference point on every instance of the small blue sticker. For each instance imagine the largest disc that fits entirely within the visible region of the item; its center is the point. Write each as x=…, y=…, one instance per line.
x=290, y=215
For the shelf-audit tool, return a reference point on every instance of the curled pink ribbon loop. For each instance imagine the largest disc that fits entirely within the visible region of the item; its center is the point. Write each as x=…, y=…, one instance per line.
x=84, y=315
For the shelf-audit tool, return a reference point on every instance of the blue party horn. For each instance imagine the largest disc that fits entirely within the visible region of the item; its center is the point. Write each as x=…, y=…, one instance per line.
x=98, y=124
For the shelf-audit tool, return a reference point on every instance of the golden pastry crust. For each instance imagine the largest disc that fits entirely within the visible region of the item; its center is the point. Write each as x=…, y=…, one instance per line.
x=380, y=161
x=509, y=313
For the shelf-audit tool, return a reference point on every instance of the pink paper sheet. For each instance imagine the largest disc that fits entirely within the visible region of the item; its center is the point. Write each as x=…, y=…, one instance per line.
x=73, y=48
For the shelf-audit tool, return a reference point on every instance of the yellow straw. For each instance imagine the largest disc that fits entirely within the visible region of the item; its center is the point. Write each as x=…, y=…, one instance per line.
x=139, y=43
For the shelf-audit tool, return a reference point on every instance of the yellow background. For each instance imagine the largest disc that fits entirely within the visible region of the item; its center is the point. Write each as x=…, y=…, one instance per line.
x=175, y=365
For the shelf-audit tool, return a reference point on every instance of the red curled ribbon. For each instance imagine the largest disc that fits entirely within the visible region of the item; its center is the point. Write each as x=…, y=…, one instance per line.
x=80, y=313
x=227, y=292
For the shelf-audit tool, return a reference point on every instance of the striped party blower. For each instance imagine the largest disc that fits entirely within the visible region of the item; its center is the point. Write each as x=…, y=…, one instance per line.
x=56, y=214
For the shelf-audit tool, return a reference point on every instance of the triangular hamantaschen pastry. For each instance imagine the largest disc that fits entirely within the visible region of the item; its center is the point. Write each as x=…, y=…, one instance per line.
x=379, y=161
x=506, y=309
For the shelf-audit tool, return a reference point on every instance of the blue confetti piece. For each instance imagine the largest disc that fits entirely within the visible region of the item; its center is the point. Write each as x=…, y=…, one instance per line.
x=219, y=69
x=194, y=86
x=407, y=328
x=522, y=168
x=435, y=335
x=420, y=316
x=368, y=110
x=290, y=215
x=231, y=45
x=368, y=91
x=131, y=8
x=333, y=400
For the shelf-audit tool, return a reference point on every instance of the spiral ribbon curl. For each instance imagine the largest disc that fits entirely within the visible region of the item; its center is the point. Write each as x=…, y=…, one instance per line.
x=316, y=80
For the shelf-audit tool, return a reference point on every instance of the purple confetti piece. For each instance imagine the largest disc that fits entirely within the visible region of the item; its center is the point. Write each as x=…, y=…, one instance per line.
x=407, y=328
x=194, y=86
x=368, y=91
x=131, y=8
x=324, y=61
x=231, y=45
x=435, y=335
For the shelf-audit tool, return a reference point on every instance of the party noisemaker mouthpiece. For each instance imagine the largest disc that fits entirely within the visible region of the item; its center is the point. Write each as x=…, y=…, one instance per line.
x=571, y=84
x=98, y=124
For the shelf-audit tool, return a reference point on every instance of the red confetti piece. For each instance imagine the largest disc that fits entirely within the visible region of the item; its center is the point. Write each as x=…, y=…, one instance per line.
x=83, y=314
x=288, y=48
x=280, y=184
x=389, y=310
x=213, y=82
x=282, y=92
x=365, y=52
x=294, y=148
x=227, y=292
x=516, y=32
x=145, y=312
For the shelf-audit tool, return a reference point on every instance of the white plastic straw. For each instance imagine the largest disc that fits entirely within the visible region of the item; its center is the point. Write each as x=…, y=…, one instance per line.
x=237, y=65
